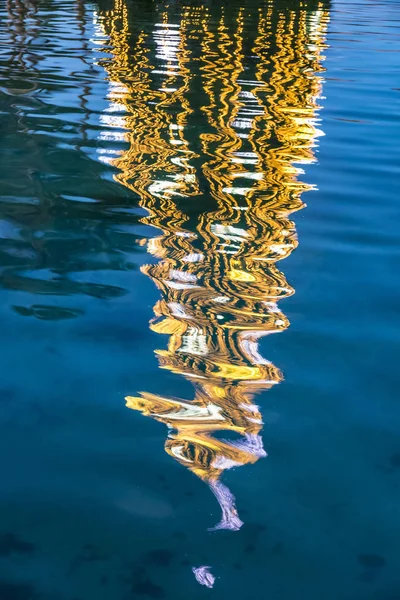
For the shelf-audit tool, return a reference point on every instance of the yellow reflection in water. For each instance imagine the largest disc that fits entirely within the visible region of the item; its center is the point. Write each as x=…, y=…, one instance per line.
x=216, y=134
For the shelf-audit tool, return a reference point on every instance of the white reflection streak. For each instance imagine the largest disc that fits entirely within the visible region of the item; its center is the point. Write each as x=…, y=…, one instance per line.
x=204, y=576
x=226, y=500
x=167, y=39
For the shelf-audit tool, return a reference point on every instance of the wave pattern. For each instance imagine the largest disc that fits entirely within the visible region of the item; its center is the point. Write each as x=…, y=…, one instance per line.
x=59, y=213
x=222, y=201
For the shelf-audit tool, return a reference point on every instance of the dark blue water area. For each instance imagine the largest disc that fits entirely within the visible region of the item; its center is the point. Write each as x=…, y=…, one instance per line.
x=91, y=505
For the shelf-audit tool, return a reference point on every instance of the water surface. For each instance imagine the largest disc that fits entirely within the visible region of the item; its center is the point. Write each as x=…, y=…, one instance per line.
x=157, y=161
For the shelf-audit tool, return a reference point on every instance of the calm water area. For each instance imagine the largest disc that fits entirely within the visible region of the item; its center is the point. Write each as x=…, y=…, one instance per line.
x=199, y=300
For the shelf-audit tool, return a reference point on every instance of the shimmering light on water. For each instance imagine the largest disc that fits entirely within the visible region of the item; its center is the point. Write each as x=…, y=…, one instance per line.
x=156, y=163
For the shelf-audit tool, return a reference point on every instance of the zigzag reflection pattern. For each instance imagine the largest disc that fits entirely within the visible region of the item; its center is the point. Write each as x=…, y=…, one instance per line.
x=217, y=269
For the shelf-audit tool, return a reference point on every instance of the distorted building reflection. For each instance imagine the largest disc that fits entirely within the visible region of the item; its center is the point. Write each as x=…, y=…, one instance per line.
x=222, y=200
x=56, y=221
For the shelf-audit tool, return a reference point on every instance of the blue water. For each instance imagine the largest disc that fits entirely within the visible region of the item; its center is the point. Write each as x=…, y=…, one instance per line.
x=156, y=163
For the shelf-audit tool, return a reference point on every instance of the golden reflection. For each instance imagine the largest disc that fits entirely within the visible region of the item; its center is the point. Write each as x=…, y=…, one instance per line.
x=222, y=201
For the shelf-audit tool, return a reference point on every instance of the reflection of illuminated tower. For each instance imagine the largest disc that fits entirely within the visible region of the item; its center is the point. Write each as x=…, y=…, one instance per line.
x=217, y=270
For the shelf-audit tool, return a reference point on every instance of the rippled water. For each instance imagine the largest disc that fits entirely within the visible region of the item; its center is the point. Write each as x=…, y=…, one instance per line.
x=156, y=160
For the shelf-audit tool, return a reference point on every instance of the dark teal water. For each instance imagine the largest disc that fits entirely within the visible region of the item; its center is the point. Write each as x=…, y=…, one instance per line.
x=156, y=160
